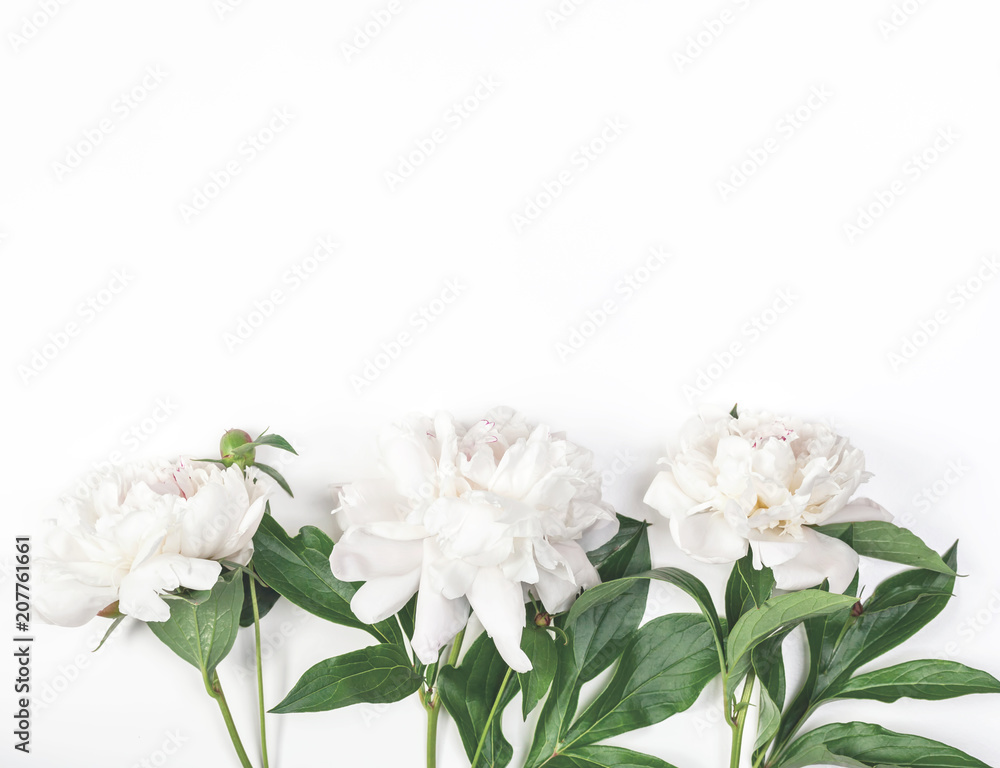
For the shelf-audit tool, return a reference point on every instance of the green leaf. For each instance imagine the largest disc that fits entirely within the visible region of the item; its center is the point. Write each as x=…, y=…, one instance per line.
x=608, y=592
x=468, y=693
x=539, y=646
x=662, y=672
x=768, y=664
x=886, y=541
x=861, y=744
x=734, y=413
x=747, y=588
x=840, y=643
x=114, y=625
x=778, y=613
x=768, y=720
x=266, y=598
x=597, y=637
x=276, y=476
x=379, y=674
x=605, y=757
x=559, y=707
x=929, y=679
x=299, y=569
x=900, y=606
x=204, y=634
x=627, y=553
x=275, y=441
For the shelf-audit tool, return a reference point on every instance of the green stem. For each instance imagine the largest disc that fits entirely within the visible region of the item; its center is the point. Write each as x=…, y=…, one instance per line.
x=432, y=701
x=214, y=688
x=741, y=718
x=260, y=668
x=489, y=720
x=432, y=731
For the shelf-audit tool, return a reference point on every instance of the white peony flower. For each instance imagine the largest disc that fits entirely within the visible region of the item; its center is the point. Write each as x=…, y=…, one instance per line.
x=472, y=518
x=146, y=529
x=760, y=481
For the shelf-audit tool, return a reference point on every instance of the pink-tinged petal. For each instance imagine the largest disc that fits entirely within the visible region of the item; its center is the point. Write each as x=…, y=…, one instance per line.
x=666, y=497
x=140, y=590
x=860, y=511
x=708, y=537
x=823, y=557
x=384, y=596
x=360, y=556
x=499, y=605
x=438, y=620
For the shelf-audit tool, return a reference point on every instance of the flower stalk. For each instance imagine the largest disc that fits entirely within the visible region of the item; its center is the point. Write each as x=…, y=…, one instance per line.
x=739, y=722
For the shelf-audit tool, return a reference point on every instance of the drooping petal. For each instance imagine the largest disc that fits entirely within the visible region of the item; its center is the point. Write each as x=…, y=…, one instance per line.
x=359, y=556
x=140, y=590
x=383, y=596
x=859, y=511
x=499, y=605
x=66, y=601
x=822, y=557
x=707, y=536
x=666, y=497
x=438, y=620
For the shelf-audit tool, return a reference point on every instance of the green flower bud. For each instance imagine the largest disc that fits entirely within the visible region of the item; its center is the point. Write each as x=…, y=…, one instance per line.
x=231, y=441
x=543, y=619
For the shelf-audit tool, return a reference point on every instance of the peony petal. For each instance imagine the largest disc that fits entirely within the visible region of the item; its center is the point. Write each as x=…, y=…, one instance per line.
x=140, y=590
x=771, y=549
x=66, y=601
x=360, y=556
x=823, y=557
x=384, y=596
x=666, y=497
x=438, y=620
x=499, y=605
x=859, y=511
x=707, y=536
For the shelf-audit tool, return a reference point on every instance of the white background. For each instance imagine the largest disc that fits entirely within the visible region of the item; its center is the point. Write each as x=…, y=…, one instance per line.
x=178, y=331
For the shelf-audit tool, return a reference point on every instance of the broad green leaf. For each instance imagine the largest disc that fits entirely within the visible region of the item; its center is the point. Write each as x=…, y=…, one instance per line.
x=899, y=607
x=627, y=553
x=930, y=679
x=469, y=692
x=598, y=636
x=379, y=674
x=601, y=633
x=605, y=757
x=840, y=643
x=862, y=744
x=886, y=541
x=768, y=664
x=767, y=720
x=558, y=710
x=266, y=598
x=778, y=613
x=735, y=413
x=204, y=634
x=540, y=647
x=608, y=592
x=747, y=588
x=299, y=569
x=662, y=672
